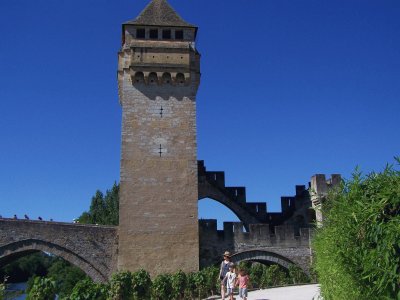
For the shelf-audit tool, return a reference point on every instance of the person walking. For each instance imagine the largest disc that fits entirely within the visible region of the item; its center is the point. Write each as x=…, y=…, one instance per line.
x=224, y=268
x=242, y=282
x=230, y=280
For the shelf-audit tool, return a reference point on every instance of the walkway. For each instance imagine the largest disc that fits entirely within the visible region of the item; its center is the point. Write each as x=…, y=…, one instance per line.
x=299, y=292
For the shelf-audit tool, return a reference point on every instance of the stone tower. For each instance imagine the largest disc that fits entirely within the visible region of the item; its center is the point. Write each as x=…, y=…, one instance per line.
x=158, y=77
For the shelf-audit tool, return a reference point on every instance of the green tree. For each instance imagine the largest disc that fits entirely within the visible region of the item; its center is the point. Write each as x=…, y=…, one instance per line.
x=86, y=289
x=357, y=250
x=65, y=275
x=104, y=209
x=42, y=289
x=25, y=267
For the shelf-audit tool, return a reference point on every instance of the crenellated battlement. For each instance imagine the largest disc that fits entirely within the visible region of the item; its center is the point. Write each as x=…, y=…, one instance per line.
x=280, y=240
x=261, y=234
x=295, y=209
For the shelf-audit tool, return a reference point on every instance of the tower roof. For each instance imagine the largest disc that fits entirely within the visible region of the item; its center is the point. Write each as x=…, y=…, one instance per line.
x=159, y=13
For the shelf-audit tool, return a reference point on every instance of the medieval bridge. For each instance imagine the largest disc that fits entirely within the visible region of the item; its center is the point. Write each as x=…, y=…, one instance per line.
x=94, y=248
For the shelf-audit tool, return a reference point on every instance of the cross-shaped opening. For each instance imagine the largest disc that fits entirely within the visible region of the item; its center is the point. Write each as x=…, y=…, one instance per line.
x=161, y=111
x=160, y=150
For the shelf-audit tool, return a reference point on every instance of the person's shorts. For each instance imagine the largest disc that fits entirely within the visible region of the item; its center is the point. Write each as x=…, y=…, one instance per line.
x=223, y=281
x=229, y=291
x=242, y=292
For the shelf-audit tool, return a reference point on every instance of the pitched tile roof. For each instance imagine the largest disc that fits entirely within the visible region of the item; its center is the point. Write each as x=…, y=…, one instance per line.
x=159, y=13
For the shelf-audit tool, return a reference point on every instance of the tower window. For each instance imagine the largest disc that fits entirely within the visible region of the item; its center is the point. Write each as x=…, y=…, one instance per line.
x=140, y=33
x=166, y=34
x=179, y=34
x=180, y=79
x=154, y=33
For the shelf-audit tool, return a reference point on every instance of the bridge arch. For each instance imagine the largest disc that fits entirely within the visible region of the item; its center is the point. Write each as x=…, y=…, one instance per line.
x=208, y=190
x=217, y=206
x=21, y=248
x=263, y=256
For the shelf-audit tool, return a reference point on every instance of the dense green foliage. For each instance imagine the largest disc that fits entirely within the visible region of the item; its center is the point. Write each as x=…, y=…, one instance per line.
x=141, y=285
x=121, y=287
x=2, y=289
x=88, y=290
x=179, y=284
x=273, y=276
x=25, y=267
x=358, y=247
x=65, y=276
x=296, y=275
x=162, y=287
x=104, y=209
x=42, y=289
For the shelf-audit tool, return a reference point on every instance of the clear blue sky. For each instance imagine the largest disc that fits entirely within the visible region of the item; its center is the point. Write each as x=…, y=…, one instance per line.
x=289, y=89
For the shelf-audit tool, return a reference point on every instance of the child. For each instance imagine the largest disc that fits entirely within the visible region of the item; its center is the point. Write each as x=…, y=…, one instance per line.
x=230, y=280
x=242, y=282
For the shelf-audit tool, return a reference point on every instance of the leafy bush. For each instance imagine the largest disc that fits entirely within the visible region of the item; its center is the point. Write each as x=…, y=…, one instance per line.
x=358, y=248
x=86, y=289
x=121, y=287
x=162, y=287
x=42, y=289
x=273, y=276
x=256, y=272
x=190, y=286
x=212, y=284
x=65, y=275
x=245, y=266
x=296, y=275
x=3, y=288
x=178, y=281
x=20, y=270
x=200, y=282
x=141, y=285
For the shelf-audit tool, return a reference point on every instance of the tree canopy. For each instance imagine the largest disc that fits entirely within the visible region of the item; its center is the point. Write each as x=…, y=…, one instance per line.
x=104, y=209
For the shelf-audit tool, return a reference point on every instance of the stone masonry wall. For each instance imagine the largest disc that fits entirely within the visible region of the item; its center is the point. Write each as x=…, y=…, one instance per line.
x=281, y=246
x=89, y=247
x=159, y=187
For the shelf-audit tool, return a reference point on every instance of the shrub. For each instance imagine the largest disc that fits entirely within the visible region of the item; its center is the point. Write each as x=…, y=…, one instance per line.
x=2, y=289
x=256, y=272
x=296, y=275
x=42, y=289
x=273, y=276
x=212, y=285
x=88, y=290
x=244, y=265
x=141, y=285
x=121, y=286
x=200, y=281
x=358, y=248
x=190, y=286
x=178, y=281
x=162, y=287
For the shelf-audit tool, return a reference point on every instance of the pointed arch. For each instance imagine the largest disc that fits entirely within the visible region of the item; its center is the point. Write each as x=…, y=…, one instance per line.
x=21, y=248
